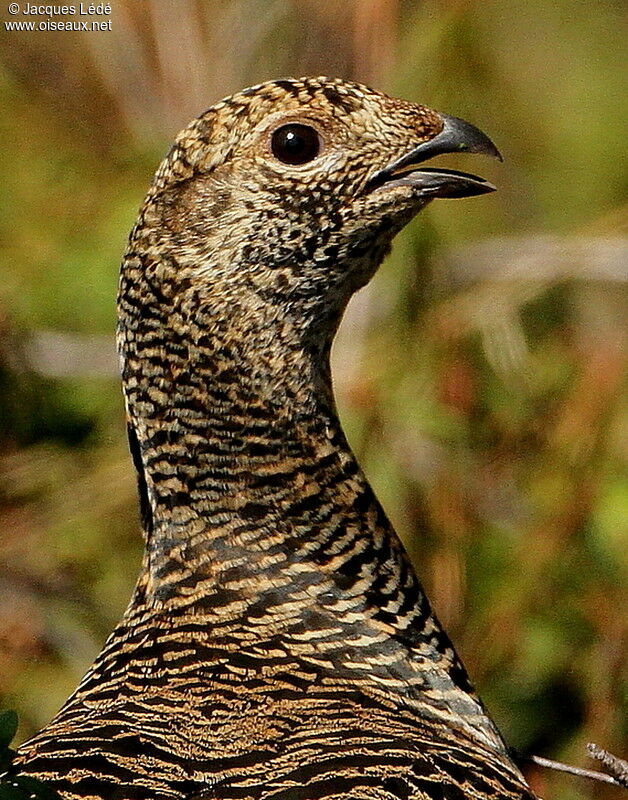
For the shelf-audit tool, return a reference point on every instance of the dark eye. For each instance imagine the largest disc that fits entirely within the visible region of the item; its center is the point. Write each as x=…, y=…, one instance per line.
x=295, y=144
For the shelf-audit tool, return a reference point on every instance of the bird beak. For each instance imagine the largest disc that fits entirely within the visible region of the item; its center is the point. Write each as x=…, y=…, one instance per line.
x=456, y=136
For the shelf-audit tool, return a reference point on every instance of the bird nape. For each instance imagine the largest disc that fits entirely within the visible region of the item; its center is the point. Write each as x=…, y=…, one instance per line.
x=278, y=643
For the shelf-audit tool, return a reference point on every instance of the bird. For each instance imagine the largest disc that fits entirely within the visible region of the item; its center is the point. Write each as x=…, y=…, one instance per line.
x=278, y=644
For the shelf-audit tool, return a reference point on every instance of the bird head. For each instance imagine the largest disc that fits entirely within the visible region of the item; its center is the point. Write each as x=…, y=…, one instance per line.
x=286, y=196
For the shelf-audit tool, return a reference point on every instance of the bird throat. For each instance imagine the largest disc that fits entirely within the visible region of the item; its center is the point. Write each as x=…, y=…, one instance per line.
x=243, y=469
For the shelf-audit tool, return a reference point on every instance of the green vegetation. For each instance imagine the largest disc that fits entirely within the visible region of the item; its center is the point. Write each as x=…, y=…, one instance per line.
x=16, y=787
x=480, y=376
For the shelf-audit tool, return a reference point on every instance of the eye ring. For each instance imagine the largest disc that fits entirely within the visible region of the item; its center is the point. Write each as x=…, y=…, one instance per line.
x=295, y=143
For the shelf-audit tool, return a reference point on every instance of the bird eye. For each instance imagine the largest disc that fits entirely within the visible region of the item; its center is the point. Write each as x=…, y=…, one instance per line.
x=295, y=144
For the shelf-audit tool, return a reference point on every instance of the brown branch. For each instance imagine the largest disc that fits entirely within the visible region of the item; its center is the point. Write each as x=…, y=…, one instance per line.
x=591, y=774
x=616, y=766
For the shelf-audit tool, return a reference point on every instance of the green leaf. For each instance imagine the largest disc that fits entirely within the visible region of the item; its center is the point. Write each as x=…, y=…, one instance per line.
x=8, y=727
x=6, y=757
x=9, y=792
x=35, y=788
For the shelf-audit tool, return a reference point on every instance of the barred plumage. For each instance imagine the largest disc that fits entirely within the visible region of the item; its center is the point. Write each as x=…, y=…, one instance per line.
x=278, y=644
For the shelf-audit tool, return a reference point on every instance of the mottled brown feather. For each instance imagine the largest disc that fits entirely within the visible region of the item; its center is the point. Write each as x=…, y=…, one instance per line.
x=278, y=644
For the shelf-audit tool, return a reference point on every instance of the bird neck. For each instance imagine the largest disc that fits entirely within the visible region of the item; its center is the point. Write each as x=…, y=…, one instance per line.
x=260, y=525
x=245, y=475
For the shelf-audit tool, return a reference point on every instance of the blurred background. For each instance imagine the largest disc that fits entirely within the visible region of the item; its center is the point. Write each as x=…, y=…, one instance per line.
x=479, y=376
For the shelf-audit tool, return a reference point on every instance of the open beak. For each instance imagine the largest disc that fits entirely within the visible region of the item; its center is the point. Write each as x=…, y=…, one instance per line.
x=456, y=136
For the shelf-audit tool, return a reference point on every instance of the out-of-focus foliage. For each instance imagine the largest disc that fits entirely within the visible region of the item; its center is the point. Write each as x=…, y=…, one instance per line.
x=12, y=786
x=479, y=376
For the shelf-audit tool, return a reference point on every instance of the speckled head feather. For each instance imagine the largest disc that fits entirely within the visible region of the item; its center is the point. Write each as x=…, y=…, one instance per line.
x=278, y=645
x=314, y=231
